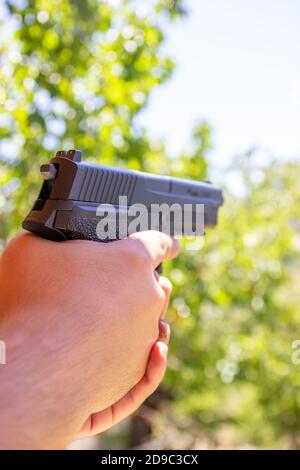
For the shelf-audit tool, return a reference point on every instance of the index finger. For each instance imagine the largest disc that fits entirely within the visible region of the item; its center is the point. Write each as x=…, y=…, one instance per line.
x=159, y=246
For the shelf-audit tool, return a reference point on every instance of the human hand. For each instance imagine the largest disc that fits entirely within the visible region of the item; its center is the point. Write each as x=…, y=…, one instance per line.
x=131, y=401
x=79, y=320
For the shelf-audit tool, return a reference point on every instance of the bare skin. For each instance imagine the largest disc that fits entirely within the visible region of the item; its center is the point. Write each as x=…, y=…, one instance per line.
x=86, y=344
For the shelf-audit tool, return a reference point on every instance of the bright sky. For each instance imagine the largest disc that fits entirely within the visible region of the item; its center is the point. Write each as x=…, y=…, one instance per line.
x=238, y=66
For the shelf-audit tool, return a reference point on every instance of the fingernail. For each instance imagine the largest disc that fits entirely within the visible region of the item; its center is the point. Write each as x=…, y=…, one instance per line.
x=163, y=322
x=164, y=328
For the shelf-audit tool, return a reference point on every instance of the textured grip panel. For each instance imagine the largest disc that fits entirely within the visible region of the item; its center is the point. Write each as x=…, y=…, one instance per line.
x=85, y=229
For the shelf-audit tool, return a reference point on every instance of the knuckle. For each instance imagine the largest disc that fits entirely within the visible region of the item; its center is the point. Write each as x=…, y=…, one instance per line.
x=159, y=297
x=135, y=253
x=162, y=239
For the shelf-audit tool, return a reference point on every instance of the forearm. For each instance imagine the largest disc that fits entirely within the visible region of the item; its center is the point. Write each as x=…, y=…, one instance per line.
x=32, y=406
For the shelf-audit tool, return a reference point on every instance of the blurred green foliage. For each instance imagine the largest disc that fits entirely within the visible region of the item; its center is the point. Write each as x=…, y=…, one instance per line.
x=76, y=74
x=236, y=314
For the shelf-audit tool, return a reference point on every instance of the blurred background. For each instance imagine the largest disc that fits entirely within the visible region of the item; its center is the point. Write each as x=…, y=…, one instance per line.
x=195, y=89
